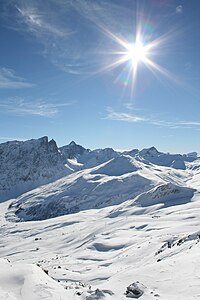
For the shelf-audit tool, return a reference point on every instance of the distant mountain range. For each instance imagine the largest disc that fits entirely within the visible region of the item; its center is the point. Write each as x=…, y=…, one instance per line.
x=72, y=178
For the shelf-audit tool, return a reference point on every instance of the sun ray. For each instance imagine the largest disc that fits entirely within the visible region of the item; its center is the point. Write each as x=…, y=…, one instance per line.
x=142, y=48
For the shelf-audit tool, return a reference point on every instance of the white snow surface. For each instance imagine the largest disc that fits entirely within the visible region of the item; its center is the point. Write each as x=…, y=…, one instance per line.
x=123, y=228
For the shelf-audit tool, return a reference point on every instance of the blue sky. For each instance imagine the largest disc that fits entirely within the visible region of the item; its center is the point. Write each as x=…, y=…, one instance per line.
x=66, y=71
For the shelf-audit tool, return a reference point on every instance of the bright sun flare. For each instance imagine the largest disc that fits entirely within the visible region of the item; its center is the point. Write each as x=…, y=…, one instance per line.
x=136, y=53
x=129, y=55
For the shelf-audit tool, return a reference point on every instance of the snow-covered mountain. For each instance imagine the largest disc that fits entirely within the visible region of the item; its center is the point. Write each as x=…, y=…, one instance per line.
x=152, y=155
x=111, y=183
x=108, y=184
x=86, y=158
x=30, y=164
x=101, y=224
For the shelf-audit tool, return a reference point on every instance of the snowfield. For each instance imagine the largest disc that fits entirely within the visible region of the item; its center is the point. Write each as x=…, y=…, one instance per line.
x=117, y=226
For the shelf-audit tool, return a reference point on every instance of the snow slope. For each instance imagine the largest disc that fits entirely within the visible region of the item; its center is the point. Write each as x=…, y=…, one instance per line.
x=27, y=281
x=97, y=254
x=110, y=183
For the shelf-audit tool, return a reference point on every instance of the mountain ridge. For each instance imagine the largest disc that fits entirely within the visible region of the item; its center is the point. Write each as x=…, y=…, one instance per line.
x=56, y=181
x=25, y=165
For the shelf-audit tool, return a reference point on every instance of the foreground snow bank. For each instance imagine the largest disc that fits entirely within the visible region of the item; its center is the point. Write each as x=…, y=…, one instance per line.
x=24, y=281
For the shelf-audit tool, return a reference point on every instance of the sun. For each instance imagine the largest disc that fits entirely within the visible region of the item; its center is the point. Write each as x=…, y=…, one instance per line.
x=136, y=53
x=127, y=55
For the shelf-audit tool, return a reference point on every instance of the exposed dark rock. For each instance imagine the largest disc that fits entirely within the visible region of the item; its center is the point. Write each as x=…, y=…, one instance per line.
x=29, y=164
x=71, y=151
x=134, y=290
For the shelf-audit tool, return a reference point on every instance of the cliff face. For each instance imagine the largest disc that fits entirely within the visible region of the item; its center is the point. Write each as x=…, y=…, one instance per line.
x=26, y=165
x=72, y=151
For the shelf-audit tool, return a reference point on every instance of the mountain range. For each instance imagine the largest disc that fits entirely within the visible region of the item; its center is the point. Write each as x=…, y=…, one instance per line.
x=29, y=164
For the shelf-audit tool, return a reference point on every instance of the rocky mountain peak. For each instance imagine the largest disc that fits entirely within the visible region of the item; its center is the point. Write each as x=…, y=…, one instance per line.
x=27, y=164
x=72, y=150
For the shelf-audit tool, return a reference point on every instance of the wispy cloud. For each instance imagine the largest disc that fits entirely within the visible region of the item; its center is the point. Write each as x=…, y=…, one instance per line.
x=64, y=41
x=189, y=123
x=9, y=80
x=133, y=118
x=38, y=23
x=126, y=117
x=179, y=9
x=84, y=46
x=22, y=107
